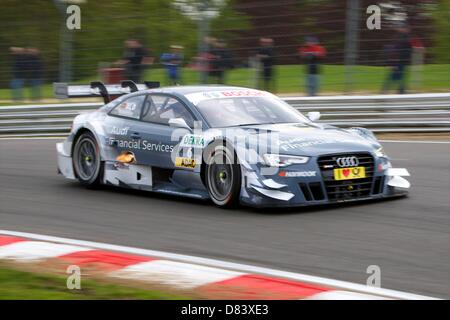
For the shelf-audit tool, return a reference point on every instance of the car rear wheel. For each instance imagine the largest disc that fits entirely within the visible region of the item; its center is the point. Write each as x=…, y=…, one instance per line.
x=86, y=160
x=223, y=177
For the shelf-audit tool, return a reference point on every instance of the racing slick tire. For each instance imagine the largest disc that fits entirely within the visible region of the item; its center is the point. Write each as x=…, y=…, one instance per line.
x=223, y=176
x=87, y=164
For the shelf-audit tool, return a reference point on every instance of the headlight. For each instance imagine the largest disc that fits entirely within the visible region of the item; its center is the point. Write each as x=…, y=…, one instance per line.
x=380, y=153
x=277, y=160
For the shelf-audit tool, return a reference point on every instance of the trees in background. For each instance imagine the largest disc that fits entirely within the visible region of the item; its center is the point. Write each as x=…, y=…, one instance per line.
x=441, y=17
x=160, y=23
x=104, y=27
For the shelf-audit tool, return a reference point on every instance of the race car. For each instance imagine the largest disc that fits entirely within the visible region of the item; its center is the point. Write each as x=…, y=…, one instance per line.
x=232, y=145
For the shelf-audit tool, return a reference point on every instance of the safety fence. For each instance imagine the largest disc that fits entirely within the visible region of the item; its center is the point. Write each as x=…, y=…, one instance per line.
x=380, y=113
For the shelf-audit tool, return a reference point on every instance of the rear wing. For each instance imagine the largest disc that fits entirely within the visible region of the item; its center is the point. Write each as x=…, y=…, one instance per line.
x=108, y=92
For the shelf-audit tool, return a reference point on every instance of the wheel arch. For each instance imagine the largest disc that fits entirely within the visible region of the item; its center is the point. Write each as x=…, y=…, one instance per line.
x=78, y=134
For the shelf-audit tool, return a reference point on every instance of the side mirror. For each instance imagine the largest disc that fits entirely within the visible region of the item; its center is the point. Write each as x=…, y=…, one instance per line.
x=179, y=123
x=314, y=116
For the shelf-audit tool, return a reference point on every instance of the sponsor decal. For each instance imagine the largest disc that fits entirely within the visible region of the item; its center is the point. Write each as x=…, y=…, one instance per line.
x=125, y=144
x=189, y=153
x=294, y=144
x=140, y=145
x=242, y=93
x=198, y=97
x=126, y=157
x=299, y=143
x=193, y=140
x=119, y=131
x=349, y=173
x=131, y=106
x=211, y=95
x=158, y=147
x=297, y=174
x=185, y=162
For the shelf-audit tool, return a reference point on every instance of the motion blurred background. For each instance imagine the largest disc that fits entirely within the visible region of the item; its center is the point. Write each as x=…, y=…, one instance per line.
x=295, y=48
x=220, y=41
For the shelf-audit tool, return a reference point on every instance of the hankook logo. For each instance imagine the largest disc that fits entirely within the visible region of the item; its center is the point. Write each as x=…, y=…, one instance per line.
x=347, y=161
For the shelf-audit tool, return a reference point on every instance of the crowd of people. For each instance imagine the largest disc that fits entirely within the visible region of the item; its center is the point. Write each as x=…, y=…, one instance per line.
x=215, y=60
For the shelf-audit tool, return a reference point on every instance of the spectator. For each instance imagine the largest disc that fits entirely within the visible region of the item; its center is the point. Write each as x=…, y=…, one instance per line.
x=221, y=61
x=34, y=72
x=18, y=72
x=417, y=61
x=398, y=58
x=172, y=62
x=204, y=59
x=135, y=59
x=266, y=58
x=313, y=53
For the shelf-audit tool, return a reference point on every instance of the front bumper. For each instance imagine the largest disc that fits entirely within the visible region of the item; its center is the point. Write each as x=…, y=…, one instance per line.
x=258, y=201
x=65, y=165
x=309, y=186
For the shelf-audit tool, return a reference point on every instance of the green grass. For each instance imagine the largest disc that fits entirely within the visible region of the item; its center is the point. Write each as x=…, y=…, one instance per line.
x=26, y=285
x=290, y=79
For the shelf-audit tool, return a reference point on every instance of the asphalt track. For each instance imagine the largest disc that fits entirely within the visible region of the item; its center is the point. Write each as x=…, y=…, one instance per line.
x=409, y=238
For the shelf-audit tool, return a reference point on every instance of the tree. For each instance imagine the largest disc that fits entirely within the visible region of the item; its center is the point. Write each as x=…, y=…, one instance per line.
x=441, y=17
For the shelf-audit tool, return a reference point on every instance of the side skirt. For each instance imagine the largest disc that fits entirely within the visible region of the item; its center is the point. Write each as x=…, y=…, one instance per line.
x=146, y=178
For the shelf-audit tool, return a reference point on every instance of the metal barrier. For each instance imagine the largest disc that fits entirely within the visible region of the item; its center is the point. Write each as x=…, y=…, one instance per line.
x=380, y=113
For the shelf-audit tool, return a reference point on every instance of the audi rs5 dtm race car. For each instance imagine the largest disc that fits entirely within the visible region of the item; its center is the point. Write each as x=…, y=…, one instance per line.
x=228, y=144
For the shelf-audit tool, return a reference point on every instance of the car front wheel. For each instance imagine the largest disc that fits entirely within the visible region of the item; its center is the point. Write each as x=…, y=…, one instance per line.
x=223, y=177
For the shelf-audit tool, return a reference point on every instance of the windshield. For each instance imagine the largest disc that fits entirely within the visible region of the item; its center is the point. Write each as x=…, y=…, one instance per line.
x=239, y=111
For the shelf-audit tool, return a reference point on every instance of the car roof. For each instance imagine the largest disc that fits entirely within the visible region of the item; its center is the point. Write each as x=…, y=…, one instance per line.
x=183, y=90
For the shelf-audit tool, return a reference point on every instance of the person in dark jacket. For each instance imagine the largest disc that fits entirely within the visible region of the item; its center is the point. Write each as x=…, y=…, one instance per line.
x=221, y=62
x=398, y=56
x=313, y=53
x=18, y=56
x=266, y=58
x=135, y=59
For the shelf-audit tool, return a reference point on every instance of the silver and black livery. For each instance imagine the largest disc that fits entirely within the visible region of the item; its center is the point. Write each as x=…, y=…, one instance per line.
x=228, y=144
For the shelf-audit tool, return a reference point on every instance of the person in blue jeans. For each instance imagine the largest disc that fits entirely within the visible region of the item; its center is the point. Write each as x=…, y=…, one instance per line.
x=18, y=56
x=312, y=84
x=172, y=62
x=398, y=56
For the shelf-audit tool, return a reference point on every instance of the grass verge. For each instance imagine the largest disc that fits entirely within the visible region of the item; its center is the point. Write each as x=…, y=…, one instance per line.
x=290, y=79
x=27, y=285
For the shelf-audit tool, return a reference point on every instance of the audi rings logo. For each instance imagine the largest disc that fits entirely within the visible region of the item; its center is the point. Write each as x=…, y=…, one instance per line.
x=347, y=161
